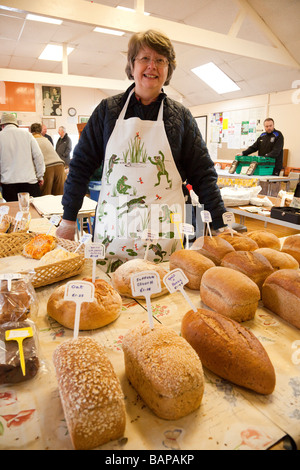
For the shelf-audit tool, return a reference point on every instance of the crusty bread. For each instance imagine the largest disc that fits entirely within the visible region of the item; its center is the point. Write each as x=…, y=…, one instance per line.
x=281, y=295
x=230, y=293
x=229, y=350
x=121, y=277
x=193, y=264
x=291, y=245
x=164, y=370
x=90, y=392
x=39, y=246
x=239, y=242
x=265, y=239
x=278, y=259
x=253, y=264
x=105, y=309
x=214, y=248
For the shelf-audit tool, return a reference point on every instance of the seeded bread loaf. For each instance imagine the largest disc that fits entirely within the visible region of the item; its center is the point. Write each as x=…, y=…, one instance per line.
x=193, y=264
x=229, y=350
x=164, y=370
x=90, y=392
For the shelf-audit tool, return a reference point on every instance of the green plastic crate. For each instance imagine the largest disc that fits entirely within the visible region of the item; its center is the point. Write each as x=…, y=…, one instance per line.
x=265, y=164
x=260, y=170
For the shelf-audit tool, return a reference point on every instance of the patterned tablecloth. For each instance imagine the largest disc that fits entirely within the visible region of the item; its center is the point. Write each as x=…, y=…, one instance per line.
x=230, y=417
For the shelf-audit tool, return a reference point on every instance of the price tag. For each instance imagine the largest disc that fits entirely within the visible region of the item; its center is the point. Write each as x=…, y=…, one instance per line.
x=206, y=219
x=79, y=292
x=176, y=219
x=94, y=251
x=54, y=221
x=84, y=239
x=151, y=237
x=229, y=219
x=9, y=277
x=145, y=284
x=18, y=218
x=19, y=335
x=175, y=281
x=188, y=230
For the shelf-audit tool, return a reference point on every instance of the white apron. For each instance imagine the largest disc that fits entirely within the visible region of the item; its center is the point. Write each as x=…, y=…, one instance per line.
x=141, y=187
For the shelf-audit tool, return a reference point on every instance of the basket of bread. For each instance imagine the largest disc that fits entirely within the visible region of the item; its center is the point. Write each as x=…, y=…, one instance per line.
x=9, y=225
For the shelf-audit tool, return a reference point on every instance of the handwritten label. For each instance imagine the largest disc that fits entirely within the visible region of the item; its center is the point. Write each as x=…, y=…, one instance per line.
x=145, y=284
x=19, y=335
x=84, y=239
x=94, y=251
x=175, y=281
x=188, y=230
x=79, y=292
x=206, y=218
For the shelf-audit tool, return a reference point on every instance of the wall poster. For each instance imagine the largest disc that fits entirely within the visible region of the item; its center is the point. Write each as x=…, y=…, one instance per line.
x=51, y=101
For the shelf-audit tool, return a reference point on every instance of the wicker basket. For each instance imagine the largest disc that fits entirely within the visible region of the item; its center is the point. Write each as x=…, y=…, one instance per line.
x=17, y=227
x=12, y=244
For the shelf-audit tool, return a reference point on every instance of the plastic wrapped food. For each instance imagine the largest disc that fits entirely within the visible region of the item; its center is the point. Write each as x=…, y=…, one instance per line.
x=18, y=300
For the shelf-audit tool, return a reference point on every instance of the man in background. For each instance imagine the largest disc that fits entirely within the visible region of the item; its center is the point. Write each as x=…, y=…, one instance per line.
x=64, y=146
x=44, y=134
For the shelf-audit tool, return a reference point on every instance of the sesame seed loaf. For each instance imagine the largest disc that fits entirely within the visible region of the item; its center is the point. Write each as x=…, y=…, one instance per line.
x=164, y=370
x=90, y=392
x=229, y=350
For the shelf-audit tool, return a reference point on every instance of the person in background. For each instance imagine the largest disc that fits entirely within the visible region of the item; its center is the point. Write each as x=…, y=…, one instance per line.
x=64, y=146
x=54, y=177
x=22, y=165
x=44, y=134
x=269, y=144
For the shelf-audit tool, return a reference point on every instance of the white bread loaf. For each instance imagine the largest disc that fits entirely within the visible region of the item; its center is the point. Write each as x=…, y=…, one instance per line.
x=265, y=239
x=278, y=259
x=230, y=293
x=193, y=264
x=90, y=392
x=214, y=248
x=281, y=295
x=291, y=245
x=229, y=350
x=164, y=370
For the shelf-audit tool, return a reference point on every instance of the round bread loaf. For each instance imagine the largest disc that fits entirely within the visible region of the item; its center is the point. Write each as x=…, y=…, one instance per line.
x=230, y=293
x=229, y=350
x=105, y=309
x=239, y=242
x=291, y=245
x=278, y=259
x=193, y=264
x=214, y=248
x=121, y=278
x=265, y=239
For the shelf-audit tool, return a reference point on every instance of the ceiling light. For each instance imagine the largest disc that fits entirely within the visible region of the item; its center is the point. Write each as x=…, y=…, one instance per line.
x=43, y=19
x=52, y=52
x=109, y=31
x=131, y=9
x=215, y=78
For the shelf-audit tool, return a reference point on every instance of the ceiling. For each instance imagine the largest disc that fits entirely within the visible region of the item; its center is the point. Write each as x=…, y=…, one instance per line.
x=257, y=43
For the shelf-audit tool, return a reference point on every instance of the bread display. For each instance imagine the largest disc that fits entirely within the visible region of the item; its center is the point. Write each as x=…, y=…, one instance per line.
x=193, y=264
x=55, y=256
x=164, y=370
x=230, y=293
x=214, y=248
x=239, y=242
x=278, y=259
x=121, y=277
x=252, y=264
x=105, y=309
x=229, y=350
x=39, y=246
x=265, y=239
x=17, y=303
x=90, y=392
x=291, y=245
x=281, y=295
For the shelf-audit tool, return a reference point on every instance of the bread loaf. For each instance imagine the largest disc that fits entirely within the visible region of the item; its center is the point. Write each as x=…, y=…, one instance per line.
x=229, y=350
x=193, y=264
x=239, y=242
x=105, y=309
x=291, y=245
x=214, y=248
x=281, y=295
x=278, y=259
x=90, y=392
x=252, y=264
x=121, y=278
x=39, y=246
x=230, y=293
x=164, y=370
x=265, y=239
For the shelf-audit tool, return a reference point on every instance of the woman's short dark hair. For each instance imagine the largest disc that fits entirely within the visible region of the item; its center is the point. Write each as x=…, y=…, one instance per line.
x=156, y=41
x=36, y=128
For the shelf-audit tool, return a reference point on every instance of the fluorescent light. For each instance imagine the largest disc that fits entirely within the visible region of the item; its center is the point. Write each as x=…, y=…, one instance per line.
x=109, y=31
x=215, y=78
x=42, y=19
x=52, y=52
x=130, y=9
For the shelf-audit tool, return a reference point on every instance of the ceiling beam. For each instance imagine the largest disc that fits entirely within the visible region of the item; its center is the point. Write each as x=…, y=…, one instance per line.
x=101, y=15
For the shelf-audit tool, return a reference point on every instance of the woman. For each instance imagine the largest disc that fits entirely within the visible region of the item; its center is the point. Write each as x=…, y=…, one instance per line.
x=150, y=144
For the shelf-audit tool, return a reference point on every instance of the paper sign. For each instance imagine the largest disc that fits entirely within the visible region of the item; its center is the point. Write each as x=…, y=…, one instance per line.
x=19, y=335
x=54, y=221
x=176, y=219
x=84, y=239
x=175, y=281
x=79, y=292
x=94, y=251
x=206, y=218
x=145, y=284
x=188, y=230
x=229, y=219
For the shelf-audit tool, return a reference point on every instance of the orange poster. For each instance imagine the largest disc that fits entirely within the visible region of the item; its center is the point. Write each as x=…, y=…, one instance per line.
x=19, y=97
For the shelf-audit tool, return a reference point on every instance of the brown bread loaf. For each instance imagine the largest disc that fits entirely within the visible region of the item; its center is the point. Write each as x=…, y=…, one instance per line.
x=265, y=239
x=291, y=245
x=214, y=248
x=278, y=259
x=239, y=242
x=193, y=264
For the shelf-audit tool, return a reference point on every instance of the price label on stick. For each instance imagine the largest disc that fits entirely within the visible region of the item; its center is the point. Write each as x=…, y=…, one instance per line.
x=229, y=219
x=9, y=277
x=206, y=219
x=18, y=218
x=175, y=281
x=54, y=221
x=79, y=292
x=188, y=230
x=85, y=239
x=19, y=335
x=94, y=251
x=145, y=284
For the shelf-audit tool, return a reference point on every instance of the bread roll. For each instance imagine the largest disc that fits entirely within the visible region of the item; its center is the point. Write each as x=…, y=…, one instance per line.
x=229, y=350
x=230, y=293
x=121, y=278
x=239, y=242
x=214, y=248
x=281, y=295
x=253, y=264
x=90, y=392
x=291, y=245
x=105, y=309
x=39, y=246
x=265, y=239
x=193, y=264
x=164, y=370
x=278, y=259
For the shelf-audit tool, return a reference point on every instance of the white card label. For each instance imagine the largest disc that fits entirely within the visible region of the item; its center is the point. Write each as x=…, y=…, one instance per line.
x=145, y=284
x=79, y=292
x=95, y=251
x=175, y=280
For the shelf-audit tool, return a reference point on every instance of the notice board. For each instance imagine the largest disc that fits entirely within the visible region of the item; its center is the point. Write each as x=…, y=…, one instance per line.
x=15, y=96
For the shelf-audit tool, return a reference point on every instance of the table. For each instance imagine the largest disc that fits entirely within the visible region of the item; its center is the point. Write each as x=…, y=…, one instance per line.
x=268, y=179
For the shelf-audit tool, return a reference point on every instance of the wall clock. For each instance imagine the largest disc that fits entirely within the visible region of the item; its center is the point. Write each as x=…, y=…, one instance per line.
x=72, y=112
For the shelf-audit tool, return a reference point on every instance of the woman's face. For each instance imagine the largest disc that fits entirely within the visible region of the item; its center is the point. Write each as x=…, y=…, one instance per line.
x=149, y=77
